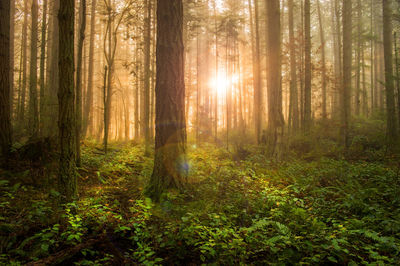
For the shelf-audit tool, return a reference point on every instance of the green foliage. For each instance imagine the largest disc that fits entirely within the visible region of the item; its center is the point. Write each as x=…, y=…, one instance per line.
x=249, y=210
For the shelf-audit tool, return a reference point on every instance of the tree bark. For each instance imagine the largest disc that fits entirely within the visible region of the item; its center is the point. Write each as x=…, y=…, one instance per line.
x=275, y=116
x=78, y=86
x=33, y=99
x=5, y=109
x=146, y=100
x=389, y=83
x=347, y=60
x=170, y=166
x=67, y=182
x=293, y=105
x=258, y=93
x=323, y=65
x=88, y=113
x=307, y=62
x=42, y=68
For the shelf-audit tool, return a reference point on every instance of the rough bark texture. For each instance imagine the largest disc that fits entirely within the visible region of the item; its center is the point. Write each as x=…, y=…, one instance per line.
x=5, y=119
x=389, y=82
x=170, y=167
x=66, y=123
x=347, y=59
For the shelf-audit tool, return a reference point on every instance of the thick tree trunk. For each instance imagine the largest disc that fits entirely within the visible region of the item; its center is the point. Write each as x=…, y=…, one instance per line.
x=67, y=183
x=170, y=166
x=275, y=116
x=5, y=109
x=53, y=82
x=389, y=83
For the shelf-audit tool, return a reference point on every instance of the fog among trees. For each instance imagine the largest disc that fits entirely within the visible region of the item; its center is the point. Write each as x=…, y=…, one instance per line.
x=149, y=132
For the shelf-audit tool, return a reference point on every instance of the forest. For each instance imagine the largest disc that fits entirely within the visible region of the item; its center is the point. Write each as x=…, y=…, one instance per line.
x=199, y=132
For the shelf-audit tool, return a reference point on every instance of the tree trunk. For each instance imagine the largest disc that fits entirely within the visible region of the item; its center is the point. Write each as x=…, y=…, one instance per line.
x=42, y=68
x=258, y=94
x=53, y=82
x=275, y=116
x=5, y=118
x=67, y=182
x=396, y=52
x=88, y=113
x=170, y=166
x=347, y=60
x=147, y=76
x=388, y=52
x=78, y=86
x=307, y=65
x=357, y=100
x=324, y=82
x=21, y=112
x=12, y=36
x=293, y=105
x=33, y=99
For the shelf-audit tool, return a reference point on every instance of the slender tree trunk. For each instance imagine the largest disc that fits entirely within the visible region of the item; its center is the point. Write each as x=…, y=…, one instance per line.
x=67, y=183
x=42, y=68
x=307, y=62
x=258, y=93
x=137, y=93
x=347, y=60
x=33, y=99
x=5, y=108
x=147, y=76
x=357, y=100
x=293, y=105
x=78, y=86
x=88, y=113
x=21, y=112
x=216, y=118
x=388, y=50
x=12, y=68
x=170, y=166
x=324, y=78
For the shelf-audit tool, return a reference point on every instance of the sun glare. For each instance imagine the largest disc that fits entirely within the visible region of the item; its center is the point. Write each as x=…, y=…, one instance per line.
x=220, y=84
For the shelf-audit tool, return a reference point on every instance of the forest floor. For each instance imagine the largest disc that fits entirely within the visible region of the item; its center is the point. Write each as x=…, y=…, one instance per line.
x=241, y=208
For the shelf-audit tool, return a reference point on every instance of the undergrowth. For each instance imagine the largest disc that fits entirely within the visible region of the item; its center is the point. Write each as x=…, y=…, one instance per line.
x=237, y=211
